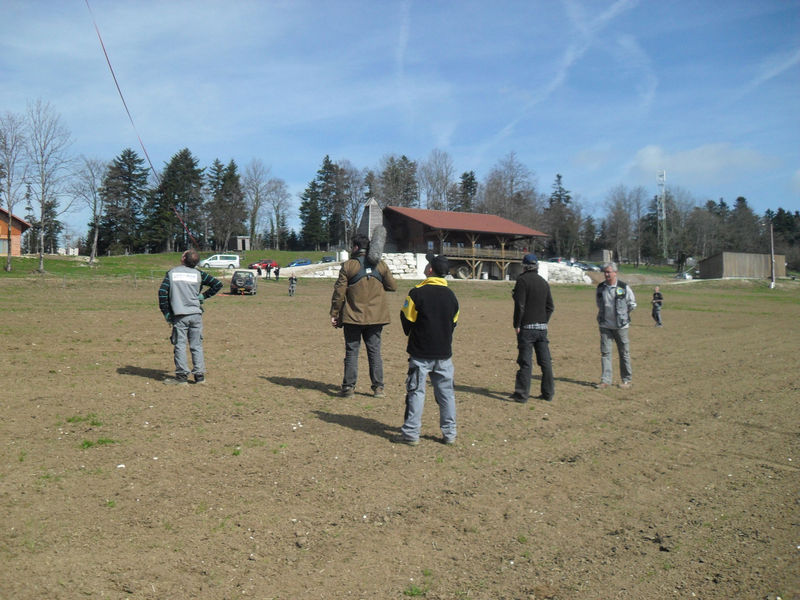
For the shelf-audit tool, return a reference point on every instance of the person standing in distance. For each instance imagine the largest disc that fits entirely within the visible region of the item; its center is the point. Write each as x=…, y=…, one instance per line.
x=533, y=305
x=429, y=316
x=615, y=302
x=359, y=306
x=180, y=299
x=658, y=300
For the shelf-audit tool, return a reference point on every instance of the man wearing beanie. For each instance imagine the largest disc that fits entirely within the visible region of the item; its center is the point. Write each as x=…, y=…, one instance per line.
x=429, y=316
x=533, y=306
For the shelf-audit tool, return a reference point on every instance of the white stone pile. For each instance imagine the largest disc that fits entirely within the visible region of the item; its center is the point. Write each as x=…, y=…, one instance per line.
x=407, y=265
x=562, y=273
x=402, y=265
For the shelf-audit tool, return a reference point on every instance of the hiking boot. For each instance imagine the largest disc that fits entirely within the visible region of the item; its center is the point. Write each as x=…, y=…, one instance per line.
x=177, y=380
x=199, y=378
x=347, y=392
x=449, y=441
x=401, y=439
x=378, y=392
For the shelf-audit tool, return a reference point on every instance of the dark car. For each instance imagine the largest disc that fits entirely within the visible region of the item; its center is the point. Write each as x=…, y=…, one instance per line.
x=327, y=259
x=244, y=282
x=262, y=264
x=300, y=262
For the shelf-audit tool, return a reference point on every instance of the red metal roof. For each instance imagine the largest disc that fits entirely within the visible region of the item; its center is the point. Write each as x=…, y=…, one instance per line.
x=461, y=221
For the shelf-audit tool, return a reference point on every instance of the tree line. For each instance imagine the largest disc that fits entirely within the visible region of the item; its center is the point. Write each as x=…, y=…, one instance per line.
x=135, y=210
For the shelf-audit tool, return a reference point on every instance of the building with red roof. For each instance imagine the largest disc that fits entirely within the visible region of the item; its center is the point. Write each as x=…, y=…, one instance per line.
x=473, y=242
x=17, y=227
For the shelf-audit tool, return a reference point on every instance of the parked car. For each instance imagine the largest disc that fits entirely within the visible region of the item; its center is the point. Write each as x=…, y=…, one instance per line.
x=263, y=264
x=586, y=266
x=327, y=259
x=244, y=282
x=300, y=262
x=220, y=261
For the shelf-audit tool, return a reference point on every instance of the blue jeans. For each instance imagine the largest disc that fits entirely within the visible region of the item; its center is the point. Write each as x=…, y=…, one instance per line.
x=188, y=328
x=352, y=345
x=441, y=373
x=620, y=336
x=528, y=341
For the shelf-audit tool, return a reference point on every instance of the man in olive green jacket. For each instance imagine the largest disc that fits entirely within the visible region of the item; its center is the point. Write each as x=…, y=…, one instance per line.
x=359, y=306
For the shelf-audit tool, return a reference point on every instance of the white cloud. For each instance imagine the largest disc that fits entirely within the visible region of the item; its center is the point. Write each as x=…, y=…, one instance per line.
x=709, y=163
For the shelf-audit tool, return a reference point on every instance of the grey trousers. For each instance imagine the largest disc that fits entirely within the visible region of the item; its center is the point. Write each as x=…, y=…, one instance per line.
x=352, y=345
x=441, y=373
x=620, y=336
x=188, y=328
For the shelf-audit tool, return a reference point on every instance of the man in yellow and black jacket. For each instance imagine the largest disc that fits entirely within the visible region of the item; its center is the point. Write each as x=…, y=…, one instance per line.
x=429, y=316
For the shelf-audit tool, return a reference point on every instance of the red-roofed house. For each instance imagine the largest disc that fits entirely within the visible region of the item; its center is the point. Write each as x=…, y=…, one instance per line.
x=18, y=227
x=473, y=242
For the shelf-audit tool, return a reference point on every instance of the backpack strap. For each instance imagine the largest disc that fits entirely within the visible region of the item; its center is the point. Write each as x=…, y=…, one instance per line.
x=365, y=271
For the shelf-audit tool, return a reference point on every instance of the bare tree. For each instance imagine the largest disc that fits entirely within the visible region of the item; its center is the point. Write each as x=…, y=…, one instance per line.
x=85, y=187
x=255, y=193
x=277, y=197
x=47, y=144
x=436, y=175
x=12, y=167
x=353, y=187
x=510, y=192
x=617, y=224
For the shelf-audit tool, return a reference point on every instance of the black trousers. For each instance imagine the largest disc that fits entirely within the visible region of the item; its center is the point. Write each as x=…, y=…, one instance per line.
x=528, y=341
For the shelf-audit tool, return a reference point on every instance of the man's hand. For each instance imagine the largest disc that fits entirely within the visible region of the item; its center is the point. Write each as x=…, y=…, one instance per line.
x=334, y=321
x=200, y=297
x=168, y=318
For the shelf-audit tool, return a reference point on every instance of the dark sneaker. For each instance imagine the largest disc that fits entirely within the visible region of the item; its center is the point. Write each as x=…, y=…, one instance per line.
x=378, y=392
x=177, y=380
x=545, y=398
x=449, y=441
x=199, y=378
x=400, y=439
x=517, y=398
x=347, y=393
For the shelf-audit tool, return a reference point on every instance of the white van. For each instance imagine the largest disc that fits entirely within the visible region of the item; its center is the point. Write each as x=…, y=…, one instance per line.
x=220, y=261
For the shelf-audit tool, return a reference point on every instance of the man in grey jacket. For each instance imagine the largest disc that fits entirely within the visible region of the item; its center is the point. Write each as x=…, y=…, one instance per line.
x=180, y=299
x=615, y=301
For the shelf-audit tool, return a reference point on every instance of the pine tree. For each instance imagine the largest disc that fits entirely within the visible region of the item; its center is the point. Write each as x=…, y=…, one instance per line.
x=312, y=230
x=180, y=191
x=124, y=191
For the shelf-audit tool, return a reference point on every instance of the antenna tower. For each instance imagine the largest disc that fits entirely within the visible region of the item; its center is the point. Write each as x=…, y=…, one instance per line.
x=661, y=207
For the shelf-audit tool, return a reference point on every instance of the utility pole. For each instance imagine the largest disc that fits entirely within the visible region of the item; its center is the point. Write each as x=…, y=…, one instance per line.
x=661, y=208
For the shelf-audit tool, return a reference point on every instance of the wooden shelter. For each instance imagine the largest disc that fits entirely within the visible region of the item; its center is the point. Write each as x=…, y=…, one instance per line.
x=741, y=264
x=18, y=227
x=468, y=240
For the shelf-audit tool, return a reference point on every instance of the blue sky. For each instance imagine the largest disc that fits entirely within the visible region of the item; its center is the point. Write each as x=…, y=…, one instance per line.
x=602, y=92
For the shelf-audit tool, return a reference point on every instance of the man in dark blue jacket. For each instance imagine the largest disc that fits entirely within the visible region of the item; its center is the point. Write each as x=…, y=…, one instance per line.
x=533, y=305
x=429, y=316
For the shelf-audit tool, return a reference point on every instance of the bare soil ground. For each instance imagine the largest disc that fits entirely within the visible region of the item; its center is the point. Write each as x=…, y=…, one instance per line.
x=265, y=484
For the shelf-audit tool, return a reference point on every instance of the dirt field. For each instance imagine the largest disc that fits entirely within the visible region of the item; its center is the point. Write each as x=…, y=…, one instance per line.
x=265, y=484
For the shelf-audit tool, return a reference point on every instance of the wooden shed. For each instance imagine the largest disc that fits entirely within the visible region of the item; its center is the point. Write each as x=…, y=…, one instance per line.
x=18, y=227
x=741, y=264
